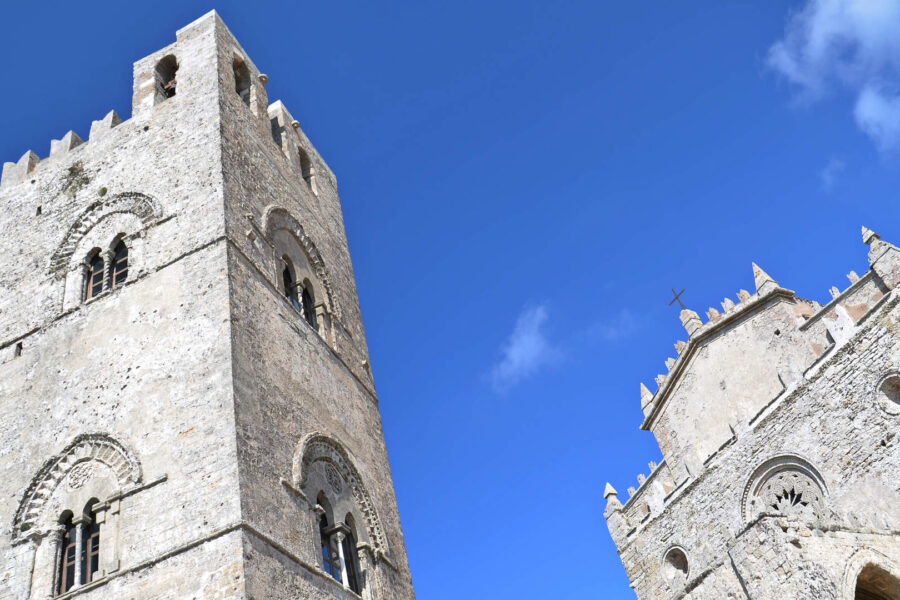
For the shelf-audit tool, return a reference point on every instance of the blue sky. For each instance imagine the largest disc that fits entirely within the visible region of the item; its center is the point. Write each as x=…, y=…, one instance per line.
x=523, y=182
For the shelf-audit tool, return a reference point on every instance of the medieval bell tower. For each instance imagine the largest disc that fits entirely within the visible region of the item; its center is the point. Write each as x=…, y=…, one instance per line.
x=185, y=389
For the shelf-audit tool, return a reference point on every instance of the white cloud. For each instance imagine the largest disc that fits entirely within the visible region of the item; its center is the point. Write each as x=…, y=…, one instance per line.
x=622, y=325
x=829, y=173
x=852, y=45
x=526, y=352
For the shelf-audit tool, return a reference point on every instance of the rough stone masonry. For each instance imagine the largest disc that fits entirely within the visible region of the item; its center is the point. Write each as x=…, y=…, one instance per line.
x=188, y=410
x=778, y=422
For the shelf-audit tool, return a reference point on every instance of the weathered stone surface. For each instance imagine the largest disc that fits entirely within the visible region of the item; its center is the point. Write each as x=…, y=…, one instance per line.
x=207, y=420
x=778, y=427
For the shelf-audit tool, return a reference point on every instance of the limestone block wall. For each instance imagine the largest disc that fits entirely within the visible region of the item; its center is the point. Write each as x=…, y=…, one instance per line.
x=145, y=365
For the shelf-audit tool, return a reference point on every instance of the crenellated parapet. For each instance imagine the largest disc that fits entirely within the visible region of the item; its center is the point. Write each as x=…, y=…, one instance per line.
x=734, y=369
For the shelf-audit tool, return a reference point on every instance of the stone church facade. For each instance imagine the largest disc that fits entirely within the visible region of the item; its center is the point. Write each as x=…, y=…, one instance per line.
x=187, y=404
x=778, y=422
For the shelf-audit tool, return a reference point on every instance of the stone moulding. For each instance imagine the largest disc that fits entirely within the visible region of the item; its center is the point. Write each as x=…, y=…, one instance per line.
x=318, y=446
x=275, y=218
x=778, y=465
x=86, y=447
x=146, y=208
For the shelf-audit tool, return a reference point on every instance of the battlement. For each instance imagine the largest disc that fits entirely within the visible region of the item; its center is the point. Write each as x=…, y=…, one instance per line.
x=163, y=80
x=736, y=367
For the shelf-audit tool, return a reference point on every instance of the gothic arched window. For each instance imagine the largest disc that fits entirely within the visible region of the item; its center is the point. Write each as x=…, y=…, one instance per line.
x=351, y=562
x=90, y=546
x=94, y=283
x=290, y=285
x=68, y=555
x=309, y=310
x=331, y=560
x=119, y=270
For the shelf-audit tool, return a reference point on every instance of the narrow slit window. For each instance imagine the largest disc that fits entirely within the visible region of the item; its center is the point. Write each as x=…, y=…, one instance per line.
x=307, y=171
x=94, y=284
x=119, y=272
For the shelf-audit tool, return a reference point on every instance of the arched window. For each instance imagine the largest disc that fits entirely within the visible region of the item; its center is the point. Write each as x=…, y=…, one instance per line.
x=94, y=284
x=90, y=546
x=241, y=80
x=331, y=560
x=68, y=555
x=290, y=284
x=119, y=272
x=309, y=309
x=351, y=560
x=165, y=72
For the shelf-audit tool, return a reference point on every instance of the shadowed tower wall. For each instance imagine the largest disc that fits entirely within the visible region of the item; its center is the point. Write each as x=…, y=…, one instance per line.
x=204, y=400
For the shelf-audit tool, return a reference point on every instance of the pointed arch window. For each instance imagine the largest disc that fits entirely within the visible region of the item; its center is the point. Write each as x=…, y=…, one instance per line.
x=290, y=285
x=94, y=284
x=351, y=562
x=91, y=547
x=68, y=556
x=309, y=310
x=166, y=80
x=119, y=271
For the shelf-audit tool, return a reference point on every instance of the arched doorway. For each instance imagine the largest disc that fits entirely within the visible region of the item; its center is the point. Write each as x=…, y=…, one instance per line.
x=874, y=583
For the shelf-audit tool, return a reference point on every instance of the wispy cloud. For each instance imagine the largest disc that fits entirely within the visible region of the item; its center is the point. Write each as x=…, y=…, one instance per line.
x=526, y=352
x=829, y=173
x=852, y=45
x=620, y=326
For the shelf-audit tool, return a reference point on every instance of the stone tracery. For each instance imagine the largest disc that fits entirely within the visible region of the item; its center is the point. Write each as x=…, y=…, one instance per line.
x=786, y=485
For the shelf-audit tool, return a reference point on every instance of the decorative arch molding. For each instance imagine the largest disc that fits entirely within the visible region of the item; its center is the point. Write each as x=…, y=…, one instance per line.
x=858, y=561
x=787, y=481
x=144, y=207
x=275, y=218
x=87, y=447
x=317, y=446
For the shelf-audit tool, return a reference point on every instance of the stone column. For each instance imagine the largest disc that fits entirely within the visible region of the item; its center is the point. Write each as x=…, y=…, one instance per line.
x=57, y=533
x=79, y=557
x=338, y=539
x=322, y=321
x=365, y=552
x=85, y=281
x=108, y=258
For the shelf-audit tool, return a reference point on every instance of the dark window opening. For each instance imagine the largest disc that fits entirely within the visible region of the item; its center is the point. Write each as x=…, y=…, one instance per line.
x=166, y=80
x=38, y=211
x=241, y=80
x=331, y=561
x=350, y=559
x=90, y=552
x=309, y=312
x=18, y=350
x=67, y=558
x=119, y=272
x=290, y=287
x=307, y=171
x=94, y=285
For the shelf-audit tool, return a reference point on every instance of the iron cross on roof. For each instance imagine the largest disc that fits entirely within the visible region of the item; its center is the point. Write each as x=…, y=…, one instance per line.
x=677, y=299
